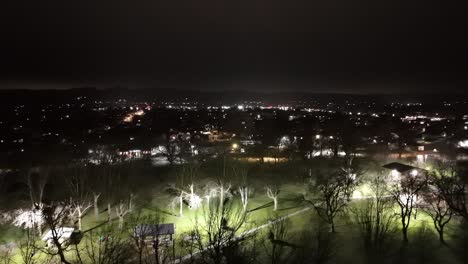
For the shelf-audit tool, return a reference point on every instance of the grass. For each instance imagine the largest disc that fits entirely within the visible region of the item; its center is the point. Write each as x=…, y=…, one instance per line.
x=261, y=210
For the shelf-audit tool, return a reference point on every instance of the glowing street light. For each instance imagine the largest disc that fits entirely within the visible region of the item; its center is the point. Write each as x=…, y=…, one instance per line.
x=235, y=146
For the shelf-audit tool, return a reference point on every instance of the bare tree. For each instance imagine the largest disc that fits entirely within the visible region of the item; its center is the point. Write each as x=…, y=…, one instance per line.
x=80, y=200
x=54, y=217
x=121, y=210
x=179, y=193
x=97, y=185
x=116, y=190
x=240, y=172
x=224, y=189
x=276, y=246
x=217, y=228
x=28, y=247
x=317, y=246
x=436, y=206
x=332, y=195
x=96, y=196
x=111, y=181
x=272, y=193
x=36, y=180
x=406, y=193
x=452, y=188
x=106, y=245
x=170, y=150
x=375, y=219
x=190, y=172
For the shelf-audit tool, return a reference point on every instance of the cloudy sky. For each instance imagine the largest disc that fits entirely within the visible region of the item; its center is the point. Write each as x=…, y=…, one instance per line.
x=318, y=46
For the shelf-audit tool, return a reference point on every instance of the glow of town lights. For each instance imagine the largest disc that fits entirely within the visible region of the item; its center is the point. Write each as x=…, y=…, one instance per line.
x=235, y=146
x=317, y=136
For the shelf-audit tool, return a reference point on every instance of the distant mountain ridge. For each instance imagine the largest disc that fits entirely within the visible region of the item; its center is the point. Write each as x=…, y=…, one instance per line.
x=220, y=97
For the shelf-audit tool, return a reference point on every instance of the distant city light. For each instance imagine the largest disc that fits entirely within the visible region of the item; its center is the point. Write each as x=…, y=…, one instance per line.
x=395, y=174
x=463, y=144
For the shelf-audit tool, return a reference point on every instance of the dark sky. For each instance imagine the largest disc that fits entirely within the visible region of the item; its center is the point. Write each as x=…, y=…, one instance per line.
x=326, y=45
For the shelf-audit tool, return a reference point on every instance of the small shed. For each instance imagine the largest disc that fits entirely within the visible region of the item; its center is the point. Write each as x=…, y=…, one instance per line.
x=400, y=167
x=163, y=233
x=159, y=236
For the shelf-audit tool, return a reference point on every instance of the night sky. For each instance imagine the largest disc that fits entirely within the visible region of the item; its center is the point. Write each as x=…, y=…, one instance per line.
x=318, y=46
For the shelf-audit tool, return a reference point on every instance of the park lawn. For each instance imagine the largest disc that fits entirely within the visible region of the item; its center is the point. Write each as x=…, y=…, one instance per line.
x=260, y=211
x=10, y=233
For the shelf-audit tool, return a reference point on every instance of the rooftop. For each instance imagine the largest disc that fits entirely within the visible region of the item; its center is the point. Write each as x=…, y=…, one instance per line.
x=400, y=167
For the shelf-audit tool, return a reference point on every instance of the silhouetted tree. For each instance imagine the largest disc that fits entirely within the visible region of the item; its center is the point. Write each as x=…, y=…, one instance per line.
x=375, y=219
x=330, y=194
x=406, y=192
x=436, y=206
x=217, y=229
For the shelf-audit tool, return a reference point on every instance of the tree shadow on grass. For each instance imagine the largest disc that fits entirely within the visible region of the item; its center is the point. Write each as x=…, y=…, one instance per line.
x=261, y=207
x=291, y=207
x=157, y=210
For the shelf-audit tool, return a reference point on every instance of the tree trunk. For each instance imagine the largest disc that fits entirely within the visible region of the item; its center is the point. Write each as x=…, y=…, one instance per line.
x=79, y=221
x=109, y=211
x=404, y=232
x=130, y=203
x=244, y=197
x=60, y=251
x=441, y=236
x=121, y=221
x=221, y=198
x=95, y=205
x=181, y=204
x=440, y=231
x=208, y=201
x=62, y=258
